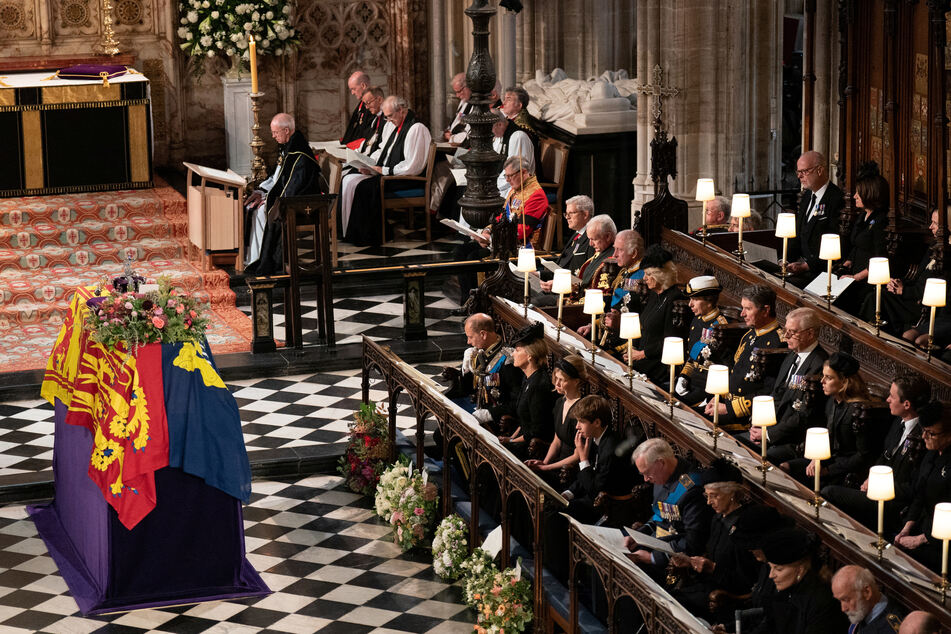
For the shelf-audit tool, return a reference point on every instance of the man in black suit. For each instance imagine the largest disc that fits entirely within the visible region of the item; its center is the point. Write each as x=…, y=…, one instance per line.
x=908, y=399
x=795, y=413
x=578, y=211
x=599, y=469
x=819, y=210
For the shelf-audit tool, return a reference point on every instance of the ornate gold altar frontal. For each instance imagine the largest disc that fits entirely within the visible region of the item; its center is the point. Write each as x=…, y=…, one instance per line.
x=68, y=136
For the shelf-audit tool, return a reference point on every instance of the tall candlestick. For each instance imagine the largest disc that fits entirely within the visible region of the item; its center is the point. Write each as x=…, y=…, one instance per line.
x=253, y=60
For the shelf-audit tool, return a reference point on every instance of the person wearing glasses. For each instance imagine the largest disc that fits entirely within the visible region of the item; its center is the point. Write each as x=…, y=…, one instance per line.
x=403, y=150
x=933, y=485
x=458, y=130
x=819, y=209
x=373, y=100
x=797, y=407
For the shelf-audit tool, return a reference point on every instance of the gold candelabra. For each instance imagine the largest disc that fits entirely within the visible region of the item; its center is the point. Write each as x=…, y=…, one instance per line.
x=258, y=171
x=108, y=44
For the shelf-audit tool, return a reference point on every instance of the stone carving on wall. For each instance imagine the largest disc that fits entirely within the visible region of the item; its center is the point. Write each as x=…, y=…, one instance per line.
x=75, y=17
x=16, y=20
x=343, y=35
x=598, y=104
x=132, y=16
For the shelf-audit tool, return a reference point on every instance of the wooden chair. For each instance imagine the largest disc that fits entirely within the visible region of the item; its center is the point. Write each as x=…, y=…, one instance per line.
x=410, y=199
x=551, y=176
x=331, y=166
x=552, y=226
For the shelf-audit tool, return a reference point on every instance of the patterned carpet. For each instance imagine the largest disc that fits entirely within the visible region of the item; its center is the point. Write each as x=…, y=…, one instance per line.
x=49, y=245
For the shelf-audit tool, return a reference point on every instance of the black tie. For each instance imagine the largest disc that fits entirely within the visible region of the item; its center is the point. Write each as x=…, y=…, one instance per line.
x=792, y=370
x=812, y=208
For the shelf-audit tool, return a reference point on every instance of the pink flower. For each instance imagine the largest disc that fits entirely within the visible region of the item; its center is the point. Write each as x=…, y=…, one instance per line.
x=397, y=516
x=158, y=322
x=171, y=302
x=418, y=511
x=173, y=293
x=128, y=305
x=193, y=314
x=179, y=309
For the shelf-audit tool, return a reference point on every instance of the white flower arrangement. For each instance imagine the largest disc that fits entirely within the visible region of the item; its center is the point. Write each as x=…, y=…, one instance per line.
x=223, y=28
x=407, y=500
x=477, y=573
x=392, y=483
x=450, y=547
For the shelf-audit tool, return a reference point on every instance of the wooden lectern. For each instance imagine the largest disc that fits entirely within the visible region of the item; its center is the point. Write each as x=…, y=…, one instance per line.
x=215, y=213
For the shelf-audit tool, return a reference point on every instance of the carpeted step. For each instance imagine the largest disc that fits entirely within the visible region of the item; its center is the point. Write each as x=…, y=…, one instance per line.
x=50, y=245
x=94, y=254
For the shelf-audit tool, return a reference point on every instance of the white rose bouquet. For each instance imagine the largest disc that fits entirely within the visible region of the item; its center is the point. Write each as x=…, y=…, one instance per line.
x=217, y=28
x=392, y=483
x=450, y=547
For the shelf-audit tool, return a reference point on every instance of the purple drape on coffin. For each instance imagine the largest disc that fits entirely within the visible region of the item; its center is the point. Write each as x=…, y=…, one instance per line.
x=190, y=548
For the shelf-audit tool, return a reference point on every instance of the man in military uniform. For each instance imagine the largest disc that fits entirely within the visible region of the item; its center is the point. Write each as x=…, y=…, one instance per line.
x=869, y=611
x=681, y=514
x=594, y=272
x=759, y=312
x=628, y=248
x=488, y=375
x=703, y=291
x=932, y=486
x=795, y=410
x=717, y=217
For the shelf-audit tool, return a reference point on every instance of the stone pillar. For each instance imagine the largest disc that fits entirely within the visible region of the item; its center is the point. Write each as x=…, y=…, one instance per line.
x=437, y=68
x=508, y=51
x=823, y=100
x=647, y=40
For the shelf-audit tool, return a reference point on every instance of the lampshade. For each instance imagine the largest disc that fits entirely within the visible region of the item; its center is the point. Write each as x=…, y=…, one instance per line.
x=741, y=206
x=630, y=326
x=817, y=443
x=941, y=525
x=705, y=189
x=764, y=412
x=878, y=272
x=786, y=225
x=935, y=292
x=561, y=283
x=881, y=483
x=718, y=379
x=526, y=260
x=829, y=247
x=673, y=353
x=593, y=302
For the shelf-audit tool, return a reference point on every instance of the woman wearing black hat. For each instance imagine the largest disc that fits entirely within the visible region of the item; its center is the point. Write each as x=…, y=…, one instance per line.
x=854, y=448
x=536, y=400
x=657, y=315
x=803, y=603
x=567, y=376
x=725, y=566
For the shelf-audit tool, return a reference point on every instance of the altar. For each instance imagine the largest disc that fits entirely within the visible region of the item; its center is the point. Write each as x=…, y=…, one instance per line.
x=68, y=136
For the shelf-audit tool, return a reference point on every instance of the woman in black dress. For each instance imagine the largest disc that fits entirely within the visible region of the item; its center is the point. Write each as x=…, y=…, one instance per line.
x=853, y=449
x=568, y=375
x=868, y=231
x=657, y=315
x=536, y=400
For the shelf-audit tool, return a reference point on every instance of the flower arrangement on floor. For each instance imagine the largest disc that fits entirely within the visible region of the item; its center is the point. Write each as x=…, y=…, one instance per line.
x=450, y=547
x=407, y=500
x=367, y=449
x=150, y=313
x=476, y=572
x=506, y=604
x=222, y=28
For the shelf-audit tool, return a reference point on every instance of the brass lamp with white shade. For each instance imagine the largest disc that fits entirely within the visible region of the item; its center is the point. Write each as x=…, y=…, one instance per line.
x=785, y=229
x=740, y=209
x=718, y=384
x=881, y=488
x=830, y=250
x=817, y=450
x=594, y=306
x=561, y=284
x=630, y=330
x=935, y=296
x=672, y=355
x=763, y=416
x=705, y=192
x=878, y=274
x=526, y=265
x=941, y=529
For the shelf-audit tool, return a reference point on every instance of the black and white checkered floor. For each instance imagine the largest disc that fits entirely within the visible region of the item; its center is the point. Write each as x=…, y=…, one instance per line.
x=328, y=558
x=286, y=412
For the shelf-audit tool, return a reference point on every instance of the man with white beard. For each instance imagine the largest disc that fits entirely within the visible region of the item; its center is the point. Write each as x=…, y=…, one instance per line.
x=869, y=611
